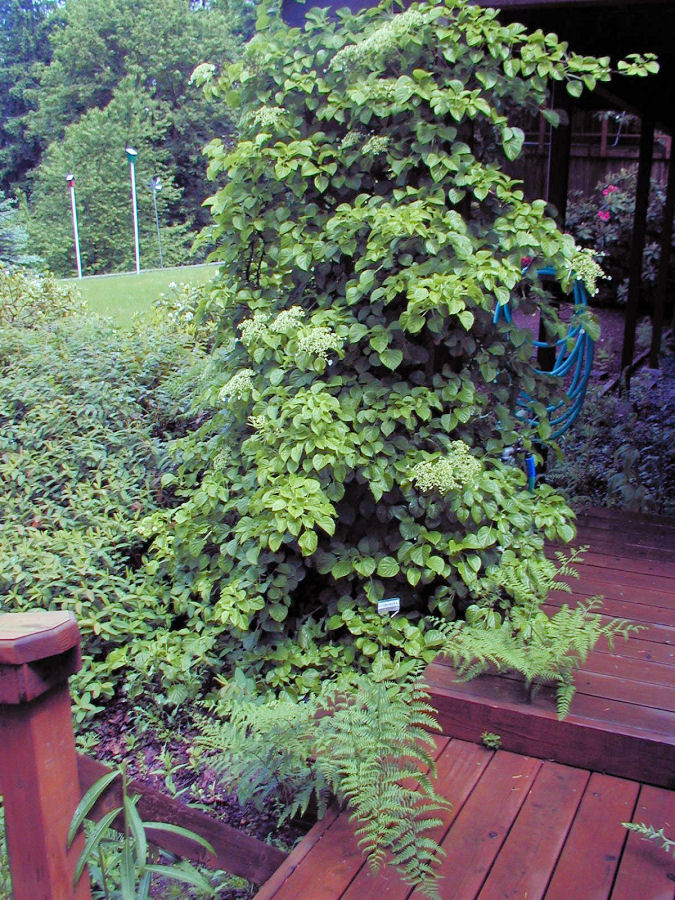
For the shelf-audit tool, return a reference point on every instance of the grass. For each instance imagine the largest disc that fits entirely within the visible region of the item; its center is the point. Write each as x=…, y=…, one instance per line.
x=123, y=295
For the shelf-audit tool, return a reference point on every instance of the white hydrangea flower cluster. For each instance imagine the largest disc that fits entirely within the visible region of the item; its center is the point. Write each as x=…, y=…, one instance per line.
x=381, y=41
x=376, y=145
x=449, y=473
x=263, y=425
x=586, y=269
x=351, y=139
x=250, y=329
x=382, y=90
x=267, y=117
x=220, y=460
x=239, y=386
x=318, y=341
x=288, y=319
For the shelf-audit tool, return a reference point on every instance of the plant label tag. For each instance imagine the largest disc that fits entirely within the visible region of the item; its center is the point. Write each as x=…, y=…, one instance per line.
x=391, y=606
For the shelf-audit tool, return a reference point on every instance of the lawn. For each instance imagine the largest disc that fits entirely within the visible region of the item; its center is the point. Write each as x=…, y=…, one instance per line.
x=121, y=296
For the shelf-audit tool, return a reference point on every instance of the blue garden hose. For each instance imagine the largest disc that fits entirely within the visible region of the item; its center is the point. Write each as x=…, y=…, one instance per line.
x=577, y=361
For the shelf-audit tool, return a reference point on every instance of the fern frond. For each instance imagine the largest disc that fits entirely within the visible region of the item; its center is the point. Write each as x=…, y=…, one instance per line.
x=366, y=742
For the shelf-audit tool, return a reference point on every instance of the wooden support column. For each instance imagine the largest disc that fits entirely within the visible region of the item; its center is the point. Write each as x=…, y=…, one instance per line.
x=557, y=180
x=557, y=183
x=664, y=266
x=38, y=764
x=638, y=242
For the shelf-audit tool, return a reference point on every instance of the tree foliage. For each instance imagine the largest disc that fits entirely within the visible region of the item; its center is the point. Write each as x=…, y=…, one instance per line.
x=120, y=73
x=93, y=148
x=24, y=45
x=13, y=236
x=361, y=395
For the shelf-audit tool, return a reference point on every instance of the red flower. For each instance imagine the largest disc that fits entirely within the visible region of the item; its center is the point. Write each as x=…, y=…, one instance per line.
x=525, y=261
x=609, y=190
x=604, y=215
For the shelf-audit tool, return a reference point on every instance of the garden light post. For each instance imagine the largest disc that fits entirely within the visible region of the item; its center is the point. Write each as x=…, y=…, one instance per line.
x=70, y=178
x=131, y=156
x=155, y=185
x=39, y=779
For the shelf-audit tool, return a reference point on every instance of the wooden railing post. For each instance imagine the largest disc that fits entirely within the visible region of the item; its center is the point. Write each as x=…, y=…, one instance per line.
x=38, y=764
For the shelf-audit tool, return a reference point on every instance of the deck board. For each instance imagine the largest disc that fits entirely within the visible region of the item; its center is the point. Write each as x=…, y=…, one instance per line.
x=594, y=843
x=524, y=865
x=541, y=818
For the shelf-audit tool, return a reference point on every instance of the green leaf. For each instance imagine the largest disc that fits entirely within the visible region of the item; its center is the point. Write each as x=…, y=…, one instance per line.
x=133, y=820
x=308, y=542
x=392, y=359
x=87, y=802
x=184, y=875
x=342, y=568
x=365, y=566
x=387, y=567
x=169, y=828
x=93, y=840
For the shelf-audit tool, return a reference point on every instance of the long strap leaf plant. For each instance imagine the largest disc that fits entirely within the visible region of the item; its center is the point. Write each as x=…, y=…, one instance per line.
x=123, y=862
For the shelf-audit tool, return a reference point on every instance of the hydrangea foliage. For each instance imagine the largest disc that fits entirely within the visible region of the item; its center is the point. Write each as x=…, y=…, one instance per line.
x=356, y=406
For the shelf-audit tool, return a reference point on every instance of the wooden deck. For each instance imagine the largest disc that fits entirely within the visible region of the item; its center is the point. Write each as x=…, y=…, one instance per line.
x=541, y=818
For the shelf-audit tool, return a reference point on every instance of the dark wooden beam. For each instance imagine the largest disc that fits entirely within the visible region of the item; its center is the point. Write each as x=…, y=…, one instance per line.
x=638, y=241
x=664, y=265
x=557, y=179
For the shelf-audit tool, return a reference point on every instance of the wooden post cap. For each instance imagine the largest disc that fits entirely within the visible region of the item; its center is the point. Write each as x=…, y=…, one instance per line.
x=26, y=637
x=38, y=649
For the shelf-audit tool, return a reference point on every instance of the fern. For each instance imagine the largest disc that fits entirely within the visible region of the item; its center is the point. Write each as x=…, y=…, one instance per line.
x=366, y=742
x=542, y=649
x=651, y=833
x=526, y=640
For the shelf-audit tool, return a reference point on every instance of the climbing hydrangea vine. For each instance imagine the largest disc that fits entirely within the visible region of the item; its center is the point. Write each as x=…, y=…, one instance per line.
x=356, y=408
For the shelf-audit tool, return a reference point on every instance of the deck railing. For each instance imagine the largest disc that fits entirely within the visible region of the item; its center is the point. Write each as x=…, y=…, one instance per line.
x=42, y=777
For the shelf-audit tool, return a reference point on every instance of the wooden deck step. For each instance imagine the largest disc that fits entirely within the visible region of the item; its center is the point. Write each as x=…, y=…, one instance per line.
x=541, y=818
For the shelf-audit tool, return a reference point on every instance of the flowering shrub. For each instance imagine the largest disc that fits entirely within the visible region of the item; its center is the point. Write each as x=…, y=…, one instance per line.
x=356, y=406
x=604, y=222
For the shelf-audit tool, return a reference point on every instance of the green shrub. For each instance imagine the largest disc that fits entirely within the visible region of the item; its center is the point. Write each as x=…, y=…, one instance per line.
x=356, y=406
x=31, y=300
x=604, y=222
x=84, y=413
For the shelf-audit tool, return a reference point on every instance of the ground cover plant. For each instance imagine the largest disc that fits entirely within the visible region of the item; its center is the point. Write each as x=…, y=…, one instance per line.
x=360, y=395
x=84, y=410
x=620, y=452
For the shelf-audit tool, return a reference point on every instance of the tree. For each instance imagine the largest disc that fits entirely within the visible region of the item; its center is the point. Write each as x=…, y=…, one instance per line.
x=93, y=148
x=103, y=42
x=24, y=44
x=13, y=236
x=361, y=396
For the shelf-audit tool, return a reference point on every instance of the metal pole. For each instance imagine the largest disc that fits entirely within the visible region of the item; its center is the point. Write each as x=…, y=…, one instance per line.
x=70, y=178
x=131, y=156
x=156, y=186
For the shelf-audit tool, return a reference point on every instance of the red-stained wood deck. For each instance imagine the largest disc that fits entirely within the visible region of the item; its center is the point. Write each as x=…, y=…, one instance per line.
x=541, y=818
